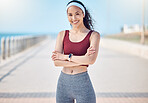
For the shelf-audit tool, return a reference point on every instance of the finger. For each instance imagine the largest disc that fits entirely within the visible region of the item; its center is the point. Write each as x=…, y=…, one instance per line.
x=54, y=52
x=54, y=59
x=90, y=47
x=93, y=49
x=92, y=52
x=53, y=55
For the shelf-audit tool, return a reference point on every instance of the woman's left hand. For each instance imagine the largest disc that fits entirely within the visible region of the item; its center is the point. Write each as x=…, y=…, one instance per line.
x=91, y=50
x=57, y=56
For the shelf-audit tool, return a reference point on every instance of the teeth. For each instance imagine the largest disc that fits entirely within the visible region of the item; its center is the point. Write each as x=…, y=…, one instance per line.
x=75, y=22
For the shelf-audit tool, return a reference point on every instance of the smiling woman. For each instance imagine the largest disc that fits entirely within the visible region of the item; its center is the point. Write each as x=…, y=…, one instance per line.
x=75, y=50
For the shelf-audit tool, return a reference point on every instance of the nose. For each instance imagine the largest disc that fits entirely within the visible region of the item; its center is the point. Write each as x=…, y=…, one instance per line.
x=73, y=17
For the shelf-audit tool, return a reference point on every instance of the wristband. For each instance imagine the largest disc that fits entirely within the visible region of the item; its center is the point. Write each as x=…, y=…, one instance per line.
x=70, y=55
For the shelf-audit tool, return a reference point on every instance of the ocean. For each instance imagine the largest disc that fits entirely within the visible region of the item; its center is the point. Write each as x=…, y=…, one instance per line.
x=5, y=35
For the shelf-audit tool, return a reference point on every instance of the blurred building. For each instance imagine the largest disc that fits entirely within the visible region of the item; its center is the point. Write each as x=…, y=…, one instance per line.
x=133, y=28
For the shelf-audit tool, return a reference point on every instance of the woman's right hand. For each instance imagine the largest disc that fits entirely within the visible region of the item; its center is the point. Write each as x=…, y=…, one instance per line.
x=90, y=51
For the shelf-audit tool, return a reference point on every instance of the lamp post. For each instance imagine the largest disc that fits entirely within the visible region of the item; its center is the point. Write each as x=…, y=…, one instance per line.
x=142, y=32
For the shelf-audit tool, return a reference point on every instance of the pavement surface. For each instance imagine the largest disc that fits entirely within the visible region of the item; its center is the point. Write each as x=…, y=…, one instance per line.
x=32, y=77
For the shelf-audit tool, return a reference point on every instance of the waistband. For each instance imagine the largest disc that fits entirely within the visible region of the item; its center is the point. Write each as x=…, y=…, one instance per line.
x=75, y=80
x=74, y=75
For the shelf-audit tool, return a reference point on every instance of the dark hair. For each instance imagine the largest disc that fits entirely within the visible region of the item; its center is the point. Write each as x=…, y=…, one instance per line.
x=87, y=20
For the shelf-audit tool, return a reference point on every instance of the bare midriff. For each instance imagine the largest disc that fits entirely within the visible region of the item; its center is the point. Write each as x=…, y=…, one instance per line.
x=74, y=70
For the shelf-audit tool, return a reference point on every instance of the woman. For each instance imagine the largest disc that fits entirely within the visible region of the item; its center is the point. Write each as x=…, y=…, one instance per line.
x=75, y=50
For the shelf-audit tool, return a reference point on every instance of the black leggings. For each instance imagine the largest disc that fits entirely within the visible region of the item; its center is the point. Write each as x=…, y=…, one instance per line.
x=77, y=86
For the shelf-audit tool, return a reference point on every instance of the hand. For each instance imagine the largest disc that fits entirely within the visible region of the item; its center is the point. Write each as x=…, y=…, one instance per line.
x=90, y=51
x=57, y=56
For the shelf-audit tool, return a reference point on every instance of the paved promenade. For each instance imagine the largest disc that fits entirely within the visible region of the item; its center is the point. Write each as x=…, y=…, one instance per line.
x=32, y=77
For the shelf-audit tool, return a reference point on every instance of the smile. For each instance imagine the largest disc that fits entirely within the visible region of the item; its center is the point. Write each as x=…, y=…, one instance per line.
x=75, y=22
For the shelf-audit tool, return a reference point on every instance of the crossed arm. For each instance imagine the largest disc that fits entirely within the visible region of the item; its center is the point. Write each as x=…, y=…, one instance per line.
x=89, y=58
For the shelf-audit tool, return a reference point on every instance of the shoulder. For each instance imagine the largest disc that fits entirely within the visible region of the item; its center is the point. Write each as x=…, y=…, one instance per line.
x=95, y=35
x=61, y=34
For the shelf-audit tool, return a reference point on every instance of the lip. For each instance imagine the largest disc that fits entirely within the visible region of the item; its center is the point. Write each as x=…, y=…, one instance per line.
x=75, y=22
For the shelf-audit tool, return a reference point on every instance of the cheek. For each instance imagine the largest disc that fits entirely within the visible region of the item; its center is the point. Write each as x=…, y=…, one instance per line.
x=69, y=19
x=80, y=17
x=77, y=17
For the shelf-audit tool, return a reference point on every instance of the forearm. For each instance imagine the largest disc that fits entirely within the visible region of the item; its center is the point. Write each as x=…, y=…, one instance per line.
x=65, y=63
x=83, y=60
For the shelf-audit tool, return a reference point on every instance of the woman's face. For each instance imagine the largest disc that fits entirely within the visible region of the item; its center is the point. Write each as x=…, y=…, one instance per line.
x=75, y=15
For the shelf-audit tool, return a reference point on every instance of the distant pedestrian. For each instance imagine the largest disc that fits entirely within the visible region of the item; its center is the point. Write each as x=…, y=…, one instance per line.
x=75, y=50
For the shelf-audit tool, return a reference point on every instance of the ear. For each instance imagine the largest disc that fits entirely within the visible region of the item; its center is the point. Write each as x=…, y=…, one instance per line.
x=83, y=15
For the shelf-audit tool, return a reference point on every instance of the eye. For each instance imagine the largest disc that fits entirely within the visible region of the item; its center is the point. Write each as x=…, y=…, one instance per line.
x=77, y=13
x=69, y=14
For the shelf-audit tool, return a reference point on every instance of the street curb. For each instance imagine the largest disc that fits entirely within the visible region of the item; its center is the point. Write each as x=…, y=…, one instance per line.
x=125, y=47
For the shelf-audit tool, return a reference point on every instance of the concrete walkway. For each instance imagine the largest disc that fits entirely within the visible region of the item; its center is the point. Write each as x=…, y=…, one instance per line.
x=32, y=77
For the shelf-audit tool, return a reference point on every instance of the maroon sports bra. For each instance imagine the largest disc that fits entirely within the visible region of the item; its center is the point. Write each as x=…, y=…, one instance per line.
x=76, y=48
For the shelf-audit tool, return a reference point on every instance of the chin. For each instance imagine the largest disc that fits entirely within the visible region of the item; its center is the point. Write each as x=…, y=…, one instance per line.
x=76, y=25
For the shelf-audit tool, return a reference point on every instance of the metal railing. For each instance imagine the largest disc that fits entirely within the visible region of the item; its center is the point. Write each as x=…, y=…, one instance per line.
x=11, y=46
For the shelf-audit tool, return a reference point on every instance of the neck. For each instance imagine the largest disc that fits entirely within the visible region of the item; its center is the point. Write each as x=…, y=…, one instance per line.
x=80, y=28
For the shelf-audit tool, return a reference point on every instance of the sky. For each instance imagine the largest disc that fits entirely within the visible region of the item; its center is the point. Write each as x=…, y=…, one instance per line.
x=49, y=16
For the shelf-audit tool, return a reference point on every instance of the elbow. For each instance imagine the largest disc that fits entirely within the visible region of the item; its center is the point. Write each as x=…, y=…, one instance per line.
x=92, y=60
x=56, y=64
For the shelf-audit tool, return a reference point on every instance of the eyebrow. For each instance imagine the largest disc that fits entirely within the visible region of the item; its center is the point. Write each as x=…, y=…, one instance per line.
x=75, y=12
